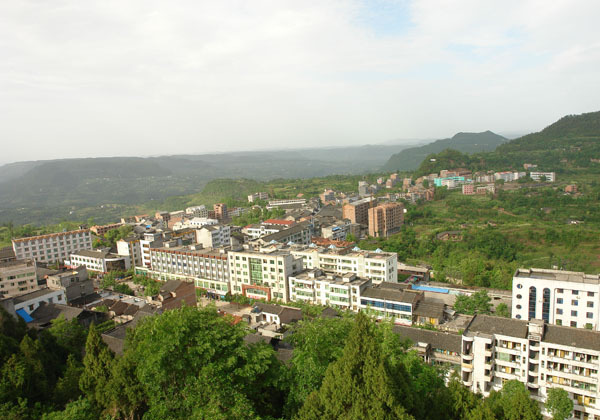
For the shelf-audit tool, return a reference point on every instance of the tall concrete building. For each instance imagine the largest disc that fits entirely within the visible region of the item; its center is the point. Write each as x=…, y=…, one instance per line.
x=358, y=211
x=385, y=219
x=221, y=211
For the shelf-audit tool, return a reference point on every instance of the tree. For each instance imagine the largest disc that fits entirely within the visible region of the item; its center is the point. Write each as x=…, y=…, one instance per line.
x=123, y=288
x=96, y=362
x=502, y=310
x=67, y=387
x=81, y=409
x=317, y=343
x=513, y=402
x=478, y=302
x=359, y=385
x=559, y=404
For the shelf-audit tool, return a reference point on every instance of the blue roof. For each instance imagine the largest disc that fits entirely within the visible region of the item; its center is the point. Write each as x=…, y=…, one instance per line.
x=23, y=314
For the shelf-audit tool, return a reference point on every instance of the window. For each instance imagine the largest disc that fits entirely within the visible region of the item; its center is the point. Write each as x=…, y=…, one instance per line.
x=559, y=301
x=574, y=302
x=575, y=292
x=519, y=306
x=559, y=322
x=519, y=286
x=559, y=311
x=590, y=304
x=573, y=313
x=590, y=294
x=589, y=315
x=518, y=317
x=559, y=290
x=532, y=301
x=546, y=305
x=574, y=324
x=519, y=296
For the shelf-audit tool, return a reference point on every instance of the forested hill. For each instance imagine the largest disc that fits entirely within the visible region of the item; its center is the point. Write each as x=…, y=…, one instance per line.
x=570, y=144
x=409, y=159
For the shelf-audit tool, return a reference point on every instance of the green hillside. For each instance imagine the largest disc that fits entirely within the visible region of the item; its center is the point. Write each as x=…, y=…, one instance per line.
x=570, y=145
x=409, y=159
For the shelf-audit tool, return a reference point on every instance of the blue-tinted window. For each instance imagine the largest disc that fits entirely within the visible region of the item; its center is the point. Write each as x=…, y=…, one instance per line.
x=532, y=303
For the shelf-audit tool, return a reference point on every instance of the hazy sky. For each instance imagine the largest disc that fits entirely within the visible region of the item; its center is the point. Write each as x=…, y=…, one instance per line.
x=104, y=78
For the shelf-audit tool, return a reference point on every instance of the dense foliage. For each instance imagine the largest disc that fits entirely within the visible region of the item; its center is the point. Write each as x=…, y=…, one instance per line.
x=194, y=363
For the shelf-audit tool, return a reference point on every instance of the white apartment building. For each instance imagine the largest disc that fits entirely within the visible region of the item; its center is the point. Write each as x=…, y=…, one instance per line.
x=101, y=261
x=316, y=287
x=377, y=265
x=195, y=223
x=292, y=201
x=214, y=236
x=336, y=232
x=508, y=176
x=258, y=196
x=148, y=241
x=17, y=277
x=541, y=356
x=52, y=247
x=537, y=176
x=207, y=268
x=301, y=233
x=262, y=274
x=558, y=297
x=131, y=247
x=256, y=231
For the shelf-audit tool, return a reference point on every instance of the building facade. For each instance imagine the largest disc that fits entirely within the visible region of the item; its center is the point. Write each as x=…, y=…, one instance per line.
x=558, y=297
x=214, y=236
x=206, y=268
x=262, y=275
x=385, y=219
x=75, y=283
x=17, y=277
x=99, y=261
x=358, y=211
x=52, y=247
x=541, y=356
x=548, y=176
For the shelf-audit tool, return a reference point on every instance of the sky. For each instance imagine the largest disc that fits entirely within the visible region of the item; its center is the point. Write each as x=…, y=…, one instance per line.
x=138, y=78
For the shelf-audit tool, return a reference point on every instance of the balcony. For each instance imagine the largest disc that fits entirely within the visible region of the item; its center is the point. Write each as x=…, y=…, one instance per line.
x=468, y=356
x=467, y=367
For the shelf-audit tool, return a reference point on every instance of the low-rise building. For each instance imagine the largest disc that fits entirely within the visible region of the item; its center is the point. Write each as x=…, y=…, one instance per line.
x=546, y=176
x=130, y=247
x=391, y=301
x=29, y=302
x=301, y=233
x=282, y=203
x=197, y=211
x=17, y=278
x=100, y=261
x=174, y=294
x=434, y=347
x=75, y=283
x=317, y=287
x=52, y=247
x=103, y=229
x=468, y=189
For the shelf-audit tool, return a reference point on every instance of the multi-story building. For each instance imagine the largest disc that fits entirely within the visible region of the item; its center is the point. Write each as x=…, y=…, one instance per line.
x=439, y=182
x=557, y=297
x=206, y=268
x=337, y=231
x=541, y=356
x=258, y=196
x=377, y=266
x=130, y=246
x=197, y=211
x=327, y=195
x=317, y=287
x=392, y=301
x=151, y=240
x=220, y=210
x=17, y=277
x=52, y=247
x=468, y=189
x=29, y=302
x=194, y=223
x=214, y=236
x=385, y=219
x=358, y=211
x=548, y=176
x=101, y=230
x=259, y=230
x=363, y=188
x=7, y=254
x=262, y=274
x=301, y=233
x=101, y=261
x=287, y=202
x=508, y=176
x=484, y=189
x=75, y=283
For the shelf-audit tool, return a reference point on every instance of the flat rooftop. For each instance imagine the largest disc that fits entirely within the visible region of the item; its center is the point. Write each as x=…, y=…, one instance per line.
x=557, y=275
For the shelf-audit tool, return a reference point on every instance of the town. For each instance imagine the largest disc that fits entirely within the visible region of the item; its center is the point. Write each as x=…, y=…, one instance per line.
x=271, y=274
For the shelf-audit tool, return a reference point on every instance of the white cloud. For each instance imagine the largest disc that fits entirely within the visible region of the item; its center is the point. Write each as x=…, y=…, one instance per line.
x=150, y=77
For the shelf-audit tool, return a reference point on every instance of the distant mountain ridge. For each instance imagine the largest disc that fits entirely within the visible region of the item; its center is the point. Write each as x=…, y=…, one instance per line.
x=409, y=159
x=570, y=144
